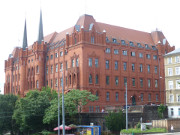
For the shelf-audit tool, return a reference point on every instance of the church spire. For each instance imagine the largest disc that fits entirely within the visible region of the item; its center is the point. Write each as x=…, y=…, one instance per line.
x=40, y=35
x=25, y=38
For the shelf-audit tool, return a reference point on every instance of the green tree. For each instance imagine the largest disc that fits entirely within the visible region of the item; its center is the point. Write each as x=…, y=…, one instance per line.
x=29, y=111
x=115, y=121
x=161, y=110
x=73, y=102
x=7, y=105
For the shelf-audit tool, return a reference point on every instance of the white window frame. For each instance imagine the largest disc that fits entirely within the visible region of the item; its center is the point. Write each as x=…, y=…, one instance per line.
x=177, y=85
x=171, y=98
x=169, y=60
x=177, y=70
x=177, y=59
x=170, y=71
x=108, y=50
x=178, y=98
x=170, y=84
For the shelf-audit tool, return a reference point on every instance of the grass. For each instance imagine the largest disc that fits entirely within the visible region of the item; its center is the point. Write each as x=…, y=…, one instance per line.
x=153, y=130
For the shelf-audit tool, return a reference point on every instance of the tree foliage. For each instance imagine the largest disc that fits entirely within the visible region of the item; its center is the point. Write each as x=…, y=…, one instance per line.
x=73, y=102
x=115, y=121
x=161, y=110
x=29, y=111
x=7, y=105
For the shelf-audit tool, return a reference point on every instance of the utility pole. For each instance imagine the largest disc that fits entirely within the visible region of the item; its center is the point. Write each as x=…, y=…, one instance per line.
x=58, y=113
x=126, y=110
x=63, y=114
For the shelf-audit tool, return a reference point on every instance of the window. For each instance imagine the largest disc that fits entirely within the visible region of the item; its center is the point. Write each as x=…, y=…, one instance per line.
x=96, y=62
x=37, y=69
x=140, y=55
x=148, y=68
x=114, y=40
x=107, y=80
x=116, y=65
x=172, y=112
x=47, y=58
x=117, y=96
x=124, y=52
x=170, y=71
x=139, y=45
x=116, y=51
x=90, y=62
x=107, y=96
x=107, y=64
x=133, y=81
x=156, y=83
x=61, y=66
x=141, y=67
x=92, y=39
x=90, y=108
x=37, y=84
x=61, y=81
x=90, y=79
x=116, y=80
x=157, y=99
x=177, y=84
x=125, y=81
x=142, y=95
x=56, y=82
x=171, y=98
x=131, y=44
x=73, y=63
x=108, y=50
x=178, y=98
x=56, y=55
x=123, y=42
x=51, y=83
x=177, y=60
x=51, y=69
x=51, y=57
x=56, y=67
x=155, y=57
x=77, y=62
x=47, y=70
x=61, y=54
x=170, y=83
x=141, y=82
x=149, y=83
x=133, y=67
x=149, y=97
x=97, y=109
x=133, y=54
x=155, y=69
x=125, y=66
x=170, y=60
x=177, y=70
x=148, y=56
x=97, y=79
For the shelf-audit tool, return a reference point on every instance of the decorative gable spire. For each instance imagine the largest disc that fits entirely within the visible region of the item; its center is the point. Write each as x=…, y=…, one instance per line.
x=40, y=36
x=25, y=38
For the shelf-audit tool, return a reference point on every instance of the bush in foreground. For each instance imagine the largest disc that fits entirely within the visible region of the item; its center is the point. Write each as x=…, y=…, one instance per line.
x=153, y=130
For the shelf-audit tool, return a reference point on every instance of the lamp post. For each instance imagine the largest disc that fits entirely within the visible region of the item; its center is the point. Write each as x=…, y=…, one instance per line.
x=126, y=110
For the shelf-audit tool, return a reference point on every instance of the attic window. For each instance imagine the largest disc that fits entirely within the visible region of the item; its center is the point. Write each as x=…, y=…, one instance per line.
x=147, y=46
x=131, y=44
x=123, y=42
x=139, y=45
x=77, y=27
x=154, y=48
x=91, y=26
x=114, y=40
x=107, y=40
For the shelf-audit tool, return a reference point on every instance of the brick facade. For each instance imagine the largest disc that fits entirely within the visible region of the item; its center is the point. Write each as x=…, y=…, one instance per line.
x=93, y=56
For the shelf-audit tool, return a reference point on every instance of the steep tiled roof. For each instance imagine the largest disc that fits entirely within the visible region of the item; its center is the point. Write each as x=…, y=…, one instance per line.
x=173, y=52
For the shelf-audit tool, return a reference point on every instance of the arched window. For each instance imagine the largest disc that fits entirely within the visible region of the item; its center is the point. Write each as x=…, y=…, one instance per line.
x=37, y=69
x=90, y=78
x=37, y=84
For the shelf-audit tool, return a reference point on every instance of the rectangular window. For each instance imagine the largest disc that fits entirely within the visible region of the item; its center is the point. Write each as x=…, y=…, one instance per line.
x=96, y=62
x=90, y=78
x=56, y=55
x=133, y=81
x=133, y=67
x=156, y=83
x=114, y=40
x=97, y=79
x=47, y=70
x=61, y=54
x=107, y=96
x=72, y=63
x=77, y=62
x=51, y=69
x=155, y=57
x=116, y=65
x=47, y=58
x=155, y=69
x=141, y=67
x=141, y=82
x=148, y=56
x=90, y=62
x=108, y=50
x=178, y=98
x=37, y=84
x=170, y=83
x=149, y=83
x=170, y=60
x=170, y=71
x=97, y=109
x=116, y=51
x=140, y=55
x=116, y=80
x=117, y=96
x=131, y=44
x=92, y=39
x=142, y=97
x=123, y=42
x=61, y=66
x=107, y=80
x=56, y=83
x=157, y=99
x=149, y=97
x=148, y=68
x=172, y=112
x=125, y=66
x=90, y=108
x=124, y=52
x=51, y=57
x=56, y=67
x=177, y=84
x=107, y=64
x=177, y=70
x=125, y=81
x=171, y=98
x=133, y=54
x=177, y=60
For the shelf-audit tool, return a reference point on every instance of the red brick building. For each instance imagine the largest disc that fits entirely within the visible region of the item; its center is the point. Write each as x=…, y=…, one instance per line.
x=94, y=56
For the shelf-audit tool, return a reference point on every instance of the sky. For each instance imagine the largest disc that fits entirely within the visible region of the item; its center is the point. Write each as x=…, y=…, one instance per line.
x=58, y=15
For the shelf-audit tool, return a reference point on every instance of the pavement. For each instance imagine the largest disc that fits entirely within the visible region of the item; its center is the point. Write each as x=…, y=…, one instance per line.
x=173, y=133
